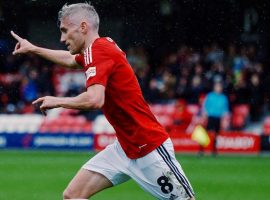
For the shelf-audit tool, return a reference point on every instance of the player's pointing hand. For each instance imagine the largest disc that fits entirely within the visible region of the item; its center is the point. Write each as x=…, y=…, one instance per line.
x=47, y=102
x=22, y=46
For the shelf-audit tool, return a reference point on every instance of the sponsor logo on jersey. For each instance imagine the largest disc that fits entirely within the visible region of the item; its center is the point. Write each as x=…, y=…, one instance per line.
x=90, y=72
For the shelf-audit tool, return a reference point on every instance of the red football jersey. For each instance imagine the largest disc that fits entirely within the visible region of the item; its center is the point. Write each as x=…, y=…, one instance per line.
x=136, y=127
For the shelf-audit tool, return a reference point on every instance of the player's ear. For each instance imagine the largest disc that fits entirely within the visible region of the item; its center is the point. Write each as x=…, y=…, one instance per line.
x=83, y=27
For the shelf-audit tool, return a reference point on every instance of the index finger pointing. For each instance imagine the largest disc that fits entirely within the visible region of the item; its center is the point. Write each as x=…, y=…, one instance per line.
x=38, y=100
x=16, y=36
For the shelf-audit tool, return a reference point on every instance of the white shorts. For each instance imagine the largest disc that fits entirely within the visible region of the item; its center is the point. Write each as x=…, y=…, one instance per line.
x=158, y=173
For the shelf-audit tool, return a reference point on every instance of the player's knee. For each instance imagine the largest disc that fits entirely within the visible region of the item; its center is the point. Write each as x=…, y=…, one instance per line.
x=73, y=194
x=67, y=194
x=193, y=198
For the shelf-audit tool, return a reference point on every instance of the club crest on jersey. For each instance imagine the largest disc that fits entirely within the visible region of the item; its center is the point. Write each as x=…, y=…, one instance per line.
x=90, y=72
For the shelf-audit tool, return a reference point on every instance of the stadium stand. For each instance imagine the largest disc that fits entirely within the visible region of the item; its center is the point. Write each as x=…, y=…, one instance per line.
x=28, y=123
x=175, y=88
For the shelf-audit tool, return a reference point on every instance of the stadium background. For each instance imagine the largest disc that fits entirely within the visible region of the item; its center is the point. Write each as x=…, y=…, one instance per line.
x=177, y=49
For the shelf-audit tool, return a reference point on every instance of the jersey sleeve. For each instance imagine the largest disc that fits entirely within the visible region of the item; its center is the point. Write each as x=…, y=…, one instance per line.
x=79, y=59
x=101, y=67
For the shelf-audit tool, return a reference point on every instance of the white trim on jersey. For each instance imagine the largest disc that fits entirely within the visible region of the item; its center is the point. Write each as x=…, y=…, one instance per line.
x=88, y=55
x=84, y=55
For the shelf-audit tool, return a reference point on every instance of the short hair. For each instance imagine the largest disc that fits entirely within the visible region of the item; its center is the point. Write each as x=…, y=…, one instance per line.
x=82, y=9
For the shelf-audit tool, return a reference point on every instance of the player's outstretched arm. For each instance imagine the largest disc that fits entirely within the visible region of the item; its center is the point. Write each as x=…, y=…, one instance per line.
x=92, y=99
x=61, y=57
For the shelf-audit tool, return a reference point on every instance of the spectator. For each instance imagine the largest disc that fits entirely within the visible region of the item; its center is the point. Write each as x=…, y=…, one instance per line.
x=229, y=58
x=241, y=90
x=195, y=90
x=241, y=61
x=215, y=107
x=215, y=54
x=256, y=97
x=29, y=87
x=182, y=88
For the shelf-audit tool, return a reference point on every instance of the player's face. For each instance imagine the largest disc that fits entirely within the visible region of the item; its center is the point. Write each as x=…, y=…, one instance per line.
x=71, y=36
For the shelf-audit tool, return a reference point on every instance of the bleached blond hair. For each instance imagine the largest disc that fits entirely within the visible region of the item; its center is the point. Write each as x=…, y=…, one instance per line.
x=82, y=11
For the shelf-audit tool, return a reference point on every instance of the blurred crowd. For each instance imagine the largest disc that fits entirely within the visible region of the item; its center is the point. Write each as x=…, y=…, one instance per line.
x=186, y=73
x=190, y=74
x=22, y=80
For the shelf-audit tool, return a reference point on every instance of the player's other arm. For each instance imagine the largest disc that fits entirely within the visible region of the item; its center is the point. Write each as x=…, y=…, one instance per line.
x=61, y=57
x=92, y=99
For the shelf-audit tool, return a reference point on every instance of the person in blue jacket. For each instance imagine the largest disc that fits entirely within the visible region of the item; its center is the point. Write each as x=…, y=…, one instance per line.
x=215, y=107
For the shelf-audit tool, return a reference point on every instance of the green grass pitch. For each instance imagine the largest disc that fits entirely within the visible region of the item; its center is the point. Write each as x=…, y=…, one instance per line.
x=32, y=175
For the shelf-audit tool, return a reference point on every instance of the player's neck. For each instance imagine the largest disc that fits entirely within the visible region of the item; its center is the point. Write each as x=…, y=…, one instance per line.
x=90, y=40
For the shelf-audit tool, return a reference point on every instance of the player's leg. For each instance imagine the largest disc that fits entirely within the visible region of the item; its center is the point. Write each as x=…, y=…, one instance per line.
x=176, y=173
x=216, y=123
x=85, y=184
x=160, y=174
x=102, y=171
